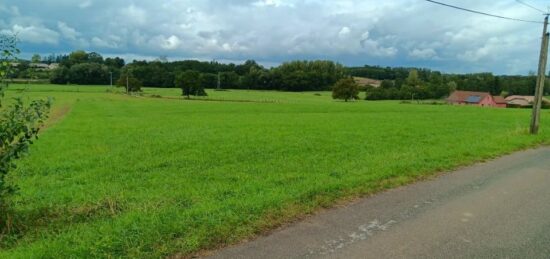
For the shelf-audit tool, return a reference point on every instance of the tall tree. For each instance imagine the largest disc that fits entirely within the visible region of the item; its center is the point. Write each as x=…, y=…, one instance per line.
x=190, y=83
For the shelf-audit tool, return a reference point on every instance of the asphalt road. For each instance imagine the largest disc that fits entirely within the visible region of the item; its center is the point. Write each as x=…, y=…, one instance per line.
x=498, y=209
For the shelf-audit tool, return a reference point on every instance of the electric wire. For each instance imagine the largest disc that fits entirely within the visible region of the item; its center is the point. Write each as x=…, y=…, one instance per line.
x=530, y=6
x=483, y=13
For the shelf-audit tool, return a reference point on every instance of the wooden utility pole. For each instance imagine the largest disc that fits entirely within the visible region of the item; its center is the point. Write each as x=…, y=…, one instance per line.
x=219, y=83
x=539, y=91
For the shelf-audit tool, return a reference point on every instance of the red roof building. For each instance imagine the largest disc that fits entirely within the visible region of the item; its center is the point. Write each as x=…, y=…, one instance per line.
x=483, y=99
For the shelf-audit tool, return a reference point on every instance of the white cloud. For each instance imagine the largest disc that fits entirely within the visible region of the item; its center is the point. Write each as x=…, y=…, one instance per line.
x=345, y=31
x=272, y=3
x=34, y=34
x=98, y=42
x=170, y=43
x=85, y=4
x=134, y=15
x=67, y=31
x=423, y=53
x=373, y=48
x=490, y=48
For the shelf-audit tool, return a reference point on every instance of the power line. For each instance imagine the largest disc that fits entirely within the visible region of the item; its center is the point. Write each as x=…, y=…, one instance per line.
x=482, y=13
x=530, y=6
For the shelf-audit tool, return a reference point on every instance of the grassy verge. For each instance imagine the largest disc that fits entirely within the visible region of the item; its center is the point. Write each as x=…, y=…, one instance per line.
x=150, y=177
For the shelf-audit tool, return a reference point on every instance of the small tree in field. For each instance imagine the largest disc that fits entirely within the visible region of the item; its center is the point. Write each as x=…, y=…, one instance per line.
x=190, y=83
x=346, y=89
x=128, y=81
x=19, y=125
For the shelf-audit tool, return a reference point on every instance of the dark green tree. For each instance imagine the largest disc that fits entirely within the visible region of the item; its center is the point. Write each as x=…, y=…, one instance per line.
x=346, y=89
x=190, y=83
x=128, y=81
x=209, y=80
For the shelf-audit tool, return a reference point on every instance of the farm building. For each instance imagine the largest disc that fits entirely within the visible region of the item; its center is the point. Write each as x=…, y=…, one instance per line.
x=476, y=98
x=500, y=101
x=523, y=101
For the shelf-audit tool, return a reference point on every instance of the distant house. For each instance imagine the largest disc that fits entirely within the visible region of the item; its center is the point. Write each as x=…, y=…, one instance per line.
x=40, y=66
x=523, y=100
x=500, y=102
x=476, y=98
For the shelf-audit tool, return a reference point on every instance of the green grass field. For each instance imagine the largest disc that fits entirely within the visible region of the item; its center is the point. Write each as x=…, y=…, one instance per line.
x=121, y=176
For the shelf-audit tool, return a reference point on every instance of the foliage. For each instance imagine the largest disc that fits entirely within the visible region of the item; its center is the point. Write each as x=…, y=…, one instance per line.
x=427, y=84
x=176, y=178
x=9, y=52
x=19, y=126
x=88, y=74
x=36, y=58
x=129, y=81
x=209, y=80
x=290, y=76
x=346, y=89
x=190, y=83
x=307, y=75
x=83, y=68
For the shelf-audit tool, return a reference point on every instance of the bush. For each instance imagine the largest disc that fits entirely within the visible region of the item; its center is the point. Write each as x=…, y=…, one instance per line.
x=19, y=126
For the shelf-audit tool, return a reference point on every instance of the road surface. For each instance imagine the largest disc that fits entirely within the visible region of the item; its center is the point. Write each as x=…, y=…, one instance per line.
x=498, y=209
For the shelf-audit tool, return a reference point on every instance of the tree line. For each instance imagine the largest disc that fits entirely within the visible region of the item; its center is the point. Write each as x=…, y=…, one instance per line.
x=406, y=83
x=91, y=68
x=291, y=76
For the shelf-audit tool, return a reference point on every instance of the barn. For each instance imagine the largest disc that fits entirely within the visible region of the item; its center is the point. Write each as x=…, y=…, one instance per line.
x=483, y=99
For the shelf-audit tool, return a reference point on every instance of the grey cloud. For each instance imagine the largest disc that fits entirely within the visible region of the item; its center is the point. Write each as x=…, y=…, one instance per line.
x=398, y=32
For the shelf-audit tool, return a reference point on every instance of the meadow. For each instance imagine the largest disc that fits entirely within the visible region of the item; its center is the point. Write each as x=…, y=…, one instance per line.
x=139, y=176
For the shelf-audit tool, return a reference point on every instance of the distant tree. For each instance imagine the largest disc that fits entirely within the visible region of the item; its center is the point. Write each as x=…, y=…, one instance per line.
x=60, y=75
x=114, y=62
x=190, y=83
x=386, y=84
x=452, y=86
x=229, y=80
x=346, y=89
x=254, y=78
x=413, y=79
x=128, y=81
x=89, y=74
x=36, y=58
x=209, y=80
x=76, y=57
x=94, y=57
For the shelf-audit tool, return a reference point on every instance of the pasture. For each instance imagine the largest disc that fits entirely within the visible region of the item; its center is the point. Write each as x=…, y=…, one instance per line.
x=121, y=176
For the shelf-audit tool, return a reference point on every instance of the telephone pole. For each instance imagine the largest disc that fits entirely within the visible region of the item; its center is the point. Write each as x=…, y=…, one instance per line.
x=539, y=91
x=127, y=85
x=219, y=83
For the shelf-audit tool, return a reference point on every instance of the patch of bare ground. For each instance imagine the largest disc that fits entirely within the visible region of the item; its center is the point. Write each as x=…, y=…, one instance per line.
x=56, y=116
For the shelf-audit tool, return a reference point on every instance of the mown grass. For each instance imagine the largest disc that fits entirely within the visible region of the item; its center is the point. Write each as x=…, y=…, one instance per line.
x=123, y=176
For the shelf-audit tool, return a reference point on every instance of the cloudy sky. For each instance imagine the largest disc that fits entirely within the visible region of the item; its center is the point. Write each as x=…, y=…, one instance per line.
x=375, y=32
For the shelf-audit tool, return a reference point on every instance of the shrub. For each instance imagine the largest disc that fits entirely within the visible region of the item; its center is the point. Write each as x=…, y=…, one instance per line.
x=19, y=126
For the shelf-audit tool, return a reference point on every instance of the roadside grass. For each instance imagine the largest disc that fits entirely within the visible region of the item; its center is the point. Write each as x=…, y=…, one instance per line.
x=123, y=176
